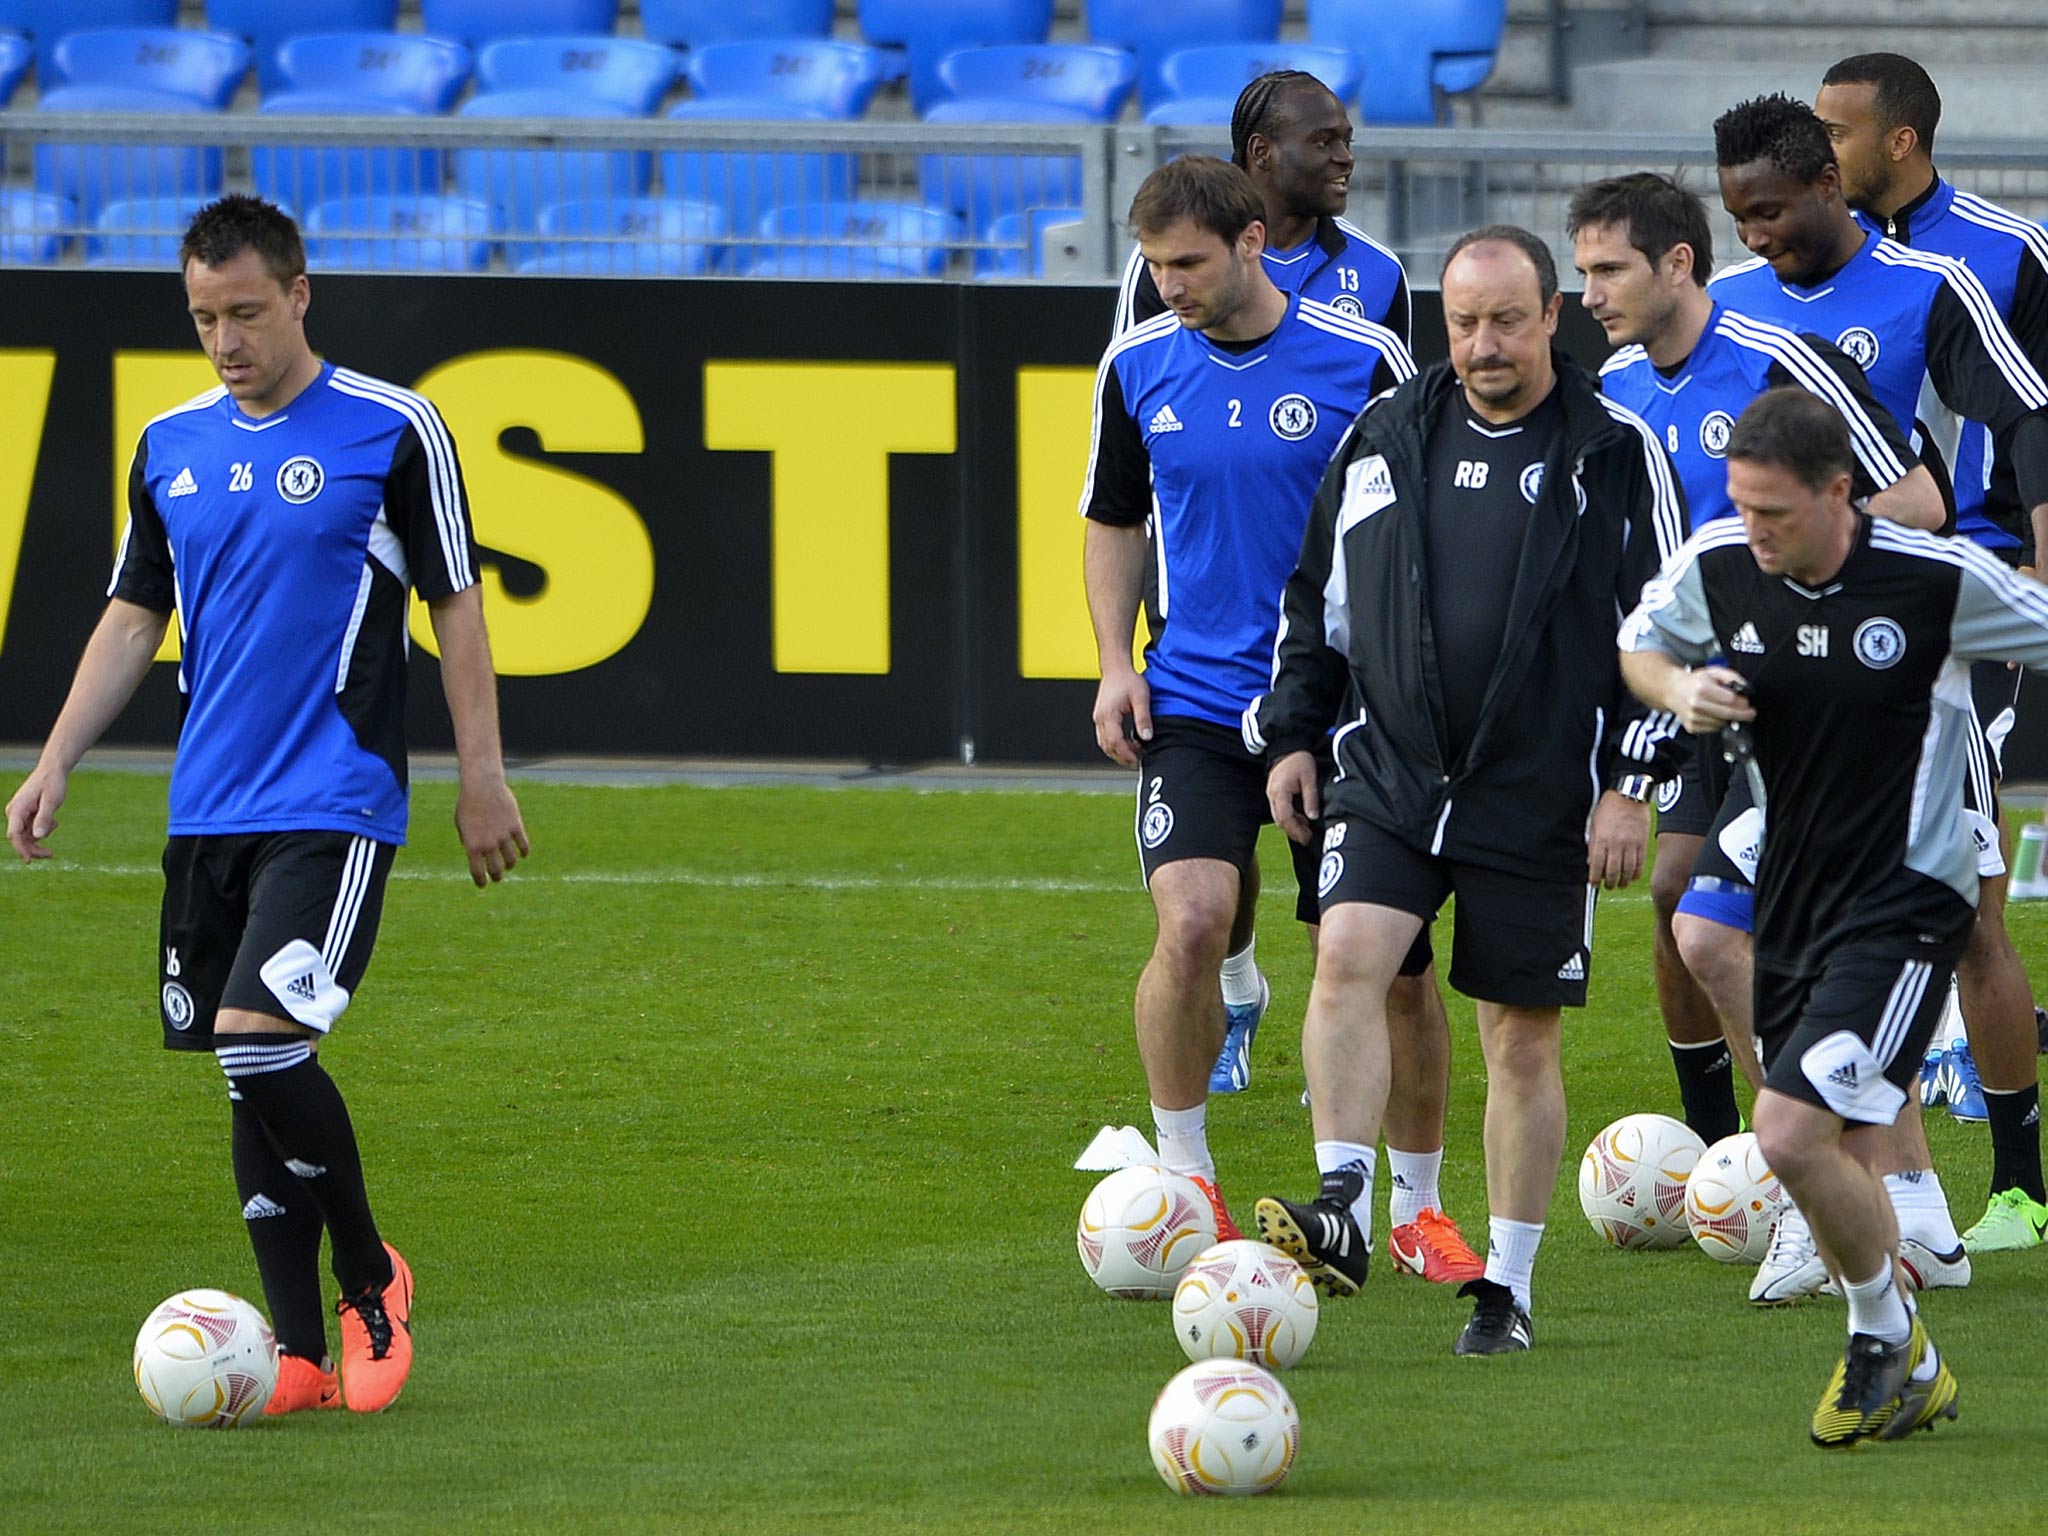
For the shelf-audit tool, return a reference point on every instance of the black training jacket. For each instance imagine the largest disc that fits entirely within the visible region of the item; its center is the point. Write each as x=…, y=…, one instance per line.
x=1556, y=724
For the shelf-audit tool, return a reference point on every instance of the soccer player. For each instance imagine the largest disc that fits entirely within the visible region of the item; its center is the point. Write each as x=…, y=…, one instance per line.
x=1930, y=340
x=1881, y=111
x=1859, y=737
x=1220, y=415
x=1688, y=367
x=1291, y=135
x=1472, y=541
x=283, y=515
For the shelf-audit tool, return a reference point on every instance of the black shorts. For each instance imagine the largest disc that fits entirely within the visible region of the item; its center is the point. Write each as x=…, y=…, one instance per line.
x=1994, y=700
x=1687, y=804
x=271, y=922
x=1201, y=795
x=1517, y=941
x=1849, y=1036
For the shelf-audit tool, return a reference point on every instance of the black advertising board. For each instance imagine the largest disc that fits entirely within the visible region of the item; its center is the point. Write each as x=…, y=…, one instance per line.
x=718, y=519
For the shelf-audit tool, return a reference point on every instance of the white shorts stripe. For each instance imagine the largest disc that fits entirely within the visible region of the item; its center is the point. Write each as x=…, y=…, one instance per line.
x=348, y=901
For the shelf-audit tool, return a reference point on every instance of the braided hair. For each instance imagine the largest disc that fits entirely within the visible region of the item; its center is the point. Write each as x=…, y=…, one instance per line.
x=1256, y=108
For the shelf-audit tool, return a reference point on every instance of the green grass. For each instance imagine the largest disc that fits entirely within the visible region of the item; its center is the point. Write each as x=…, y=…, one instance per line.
x=730, y=1142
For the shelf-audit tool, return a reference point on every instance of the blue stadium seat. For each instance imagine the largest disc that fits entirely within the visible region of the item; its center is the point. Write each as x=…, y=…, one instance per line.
x=931, y=31
x=400, y=234
x=630, y=236
x=16, y=54
x=1097, y=80
x=835, y=79
x=207, y=66
x=32, y=226
x=983, y=187
x=476, y=22
x=1193, y=112
x=634, y=73
x=1019, y=237
x=425, y=74
x=856, y=239
x=519, y=182
x=141, y=232
x=1225, y=69
x=47, y=20
x=265, y=25
x=1412, y=50
x=699, y=23
x=1152, y=29
x=300, y=175
x=747, y=183
x=93, y=175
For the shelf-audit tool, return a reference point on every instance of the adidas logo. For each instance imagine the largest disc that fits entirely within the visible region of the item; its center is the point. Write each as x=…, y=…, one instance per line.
x=184, y=485
x=1844, y=1076
x=1163, y=420
x=301, y=1169
x=2033, y=1117
x=260, y=1206
x=302, y=988
x=1573, y=969
x=1747, y=640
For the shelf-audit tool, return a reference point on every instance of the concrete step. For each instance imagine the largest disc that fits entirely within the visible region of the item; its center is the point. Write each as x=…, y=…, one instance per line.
x=1931, y=15
x=1663, y=95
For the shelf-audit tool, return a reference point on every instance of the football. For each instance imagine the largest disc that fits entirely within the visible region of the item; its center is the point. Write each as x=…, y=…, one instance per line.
x=1224, y=1426
x=1732, y=1200
x=1140, y=1228
x=1245, y=1300
x=205, y=1360
x=1632, y=1180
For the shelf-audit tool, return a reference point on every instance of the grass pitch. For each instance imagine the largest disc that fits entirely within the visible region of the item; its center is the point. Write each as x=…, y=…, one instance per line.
x=730, y=1142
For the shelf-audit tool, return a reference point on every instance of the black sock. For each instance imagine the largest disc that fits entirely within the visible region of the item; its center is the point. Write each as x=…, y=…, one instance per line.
x=284, y=1229
x=2016, y=1141
x=1706, y=1087
x=281, y=1080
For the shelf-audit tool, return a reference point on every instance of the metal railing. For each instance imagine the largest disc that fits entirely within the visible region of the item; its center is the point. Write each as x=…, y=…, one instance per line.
x=777, y=199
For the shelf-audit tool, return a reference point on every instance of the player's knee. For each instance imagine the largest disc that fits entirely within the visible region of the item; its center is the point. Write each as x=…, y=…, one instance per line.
x=1194, y=926
x=1717, y=955
x=1667, y=883
x=1788, y=1139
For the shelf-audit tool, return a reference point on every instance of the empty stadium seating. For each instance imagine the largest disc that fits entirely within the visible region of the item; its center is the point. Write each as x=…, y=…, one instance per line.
x=300, y=175
x=400, y=234
x=519, y=182
x=1412, y=50
x=930, y=31
x=47, y=20
x=856, y=239
x=696, y=23
x=835, y=79
x=265, y=24
x=642, y=236
x=1025, y=228
x=424, y=74
x=93, y=175
x=1225, y=69
x=745, y=184
x=32, y=226
x=141, y=232
x=981, y=187
x=207, y=66
x=16, y=54
x=1096, y=80
x=1152, y=29
x=630, y=71
x=474, y=23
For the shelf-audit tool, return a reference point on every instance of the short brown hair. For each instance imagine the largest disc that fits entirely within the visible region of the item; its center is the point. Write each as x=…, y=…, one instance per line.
x=223, y=229
x=1520, y=238
x=1214, y=194
x=1790, y=429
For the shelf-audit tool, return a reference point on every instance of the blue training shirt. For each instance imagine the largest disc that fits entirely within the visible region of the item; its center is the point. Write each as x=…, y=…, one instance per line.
x=1693, y=408
x=1223, y=449
x=1339, y=265
x=287, y=545
x=1924, y=332
x=2008, y=254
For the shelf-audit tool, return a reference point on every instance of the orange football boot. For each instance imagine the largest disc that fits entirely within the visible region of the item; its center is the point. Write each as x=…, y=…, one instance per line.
x=1432, y=1246
x=1226, y=1229
x=376, y=1340
x=303, y=1384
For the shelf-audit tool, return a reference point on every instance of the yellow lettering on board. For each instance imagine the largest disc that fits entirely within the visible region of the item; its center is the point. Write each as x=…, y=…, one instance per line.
x=146, y=384
x=25, y=386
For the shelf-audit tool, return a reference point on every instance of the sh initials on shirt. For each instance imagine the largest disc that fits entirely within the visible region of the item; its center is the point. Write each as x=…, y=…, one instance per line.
x=1812, y=640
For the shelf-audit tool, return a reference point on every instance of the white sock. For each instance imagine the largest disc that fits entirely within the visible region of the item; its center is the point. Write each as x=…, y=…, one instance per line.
x=1241, y=977
x=1340, y=1156
x=1414, y=1184
x=1511, y=1255
x=1874, y=1307
x=1922, y=1209
x=1953, y=1031
x=1184, y=1141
